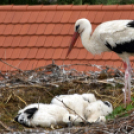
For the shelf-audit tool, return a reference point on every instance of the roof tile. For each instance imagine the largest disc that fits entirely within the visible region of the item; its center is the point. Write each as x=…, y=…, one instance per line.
x=49, y=16
x=41, y=53
x=33, y=28
x=2, y=29
x=66, y=16
x=23, y=64
x=57, y=17
x=65, y=7
x=57, y=41
x=8, y=41
x=57, y=53
x=16, y=41
x=99, y=17
x=94, y=7
x=2, y=39
x=41, y=29
x=40, y=41
x=1, y=65
x=78, y=43
x=126, y=7
x=74, y=54
x=2, y=53
x=49, y=53
x=115, y=57
x=116, y=15
x=16, y=63
x=125, y=15
x=65, y=41
x=66, y=62
x=107, y=55
x=19, y=8
x=131, y=58
x=25, y=17
x=17, y=16
x=47, y=62
x=8, y=30
x=49, y=41
x=9, y=17
x=108, y=16
x=8, y=53
x=80, y=7
x=58, y=62
x=57, y=29
x=109, y=7
x=41, y=63
x=74, y=16
x=71, y=31
x=75, y=62
x=50, y=8
x=34, y=7
x=33, y=17
x=32, y=64
x=25, y=28
x=16, y=53
x=2, y=16
x=82, y=54
x=64, y=52
x=41, y=16
x=89, y=56
x=91, y=68
x=65, y=29
x=16, y=29
x=7, y=7
x=32, y=53
x=49, y=29
x=110, y=63
x=117, y=64
x=83, y=14
x=131, y=16
x=98, y=57
x=91, y=16
x=24, y=53
x=7, y=67
x=24, y=41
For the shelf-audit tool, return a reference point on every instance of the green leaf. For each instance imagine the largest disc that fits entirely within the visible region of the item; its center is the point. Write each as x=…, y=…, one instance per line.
x=129, y=107
x=118, y=110
x=132, y=99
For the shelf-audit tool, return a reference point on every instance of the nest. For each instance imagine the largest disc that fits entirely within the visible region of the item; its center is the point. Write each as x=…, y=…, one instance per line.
x=19, y=88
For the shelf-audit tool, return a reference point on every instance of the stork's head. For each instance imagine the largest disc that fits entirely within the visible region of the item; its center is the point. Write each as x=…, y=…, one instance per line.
x=80, y=26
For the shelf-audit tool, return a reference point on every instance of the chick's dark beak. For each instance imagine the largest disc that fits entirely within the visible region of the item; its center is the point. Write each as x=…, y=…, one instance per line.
x=16, y=118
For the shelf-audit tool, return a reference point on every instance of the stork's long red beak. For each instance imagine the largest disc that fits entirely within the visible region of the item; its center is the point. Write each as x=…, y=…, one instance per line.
x=74, y=38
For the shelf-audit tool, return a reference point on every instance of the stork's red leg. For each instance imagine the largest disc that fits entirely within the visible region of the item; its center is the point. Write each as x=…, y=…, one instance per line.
x=127, y=92
x=129, y=69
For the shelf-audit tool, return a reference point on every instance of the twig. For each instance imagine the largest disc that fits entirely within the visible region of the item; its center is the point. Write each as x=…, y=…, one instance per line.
x=11, y=65
x=7, y=128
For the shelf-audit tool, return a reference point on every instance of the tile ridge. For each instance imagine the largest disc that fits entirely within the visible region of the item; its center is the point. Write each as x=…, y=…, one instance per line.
x=65, y=7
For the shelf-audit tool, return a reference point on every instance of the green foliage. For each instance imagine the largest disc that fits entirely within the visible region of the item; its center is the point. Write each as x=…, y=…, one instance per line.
x=121, y=111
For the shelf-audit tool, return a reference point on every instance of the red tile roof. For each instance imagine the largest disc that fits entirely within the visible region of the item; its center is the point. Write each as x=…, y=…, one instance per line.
x=31, y=36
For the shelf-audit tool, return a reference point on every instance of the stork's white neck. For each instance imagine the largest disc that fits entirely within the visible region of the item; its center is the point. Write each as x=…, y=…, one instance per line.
x=85, y=38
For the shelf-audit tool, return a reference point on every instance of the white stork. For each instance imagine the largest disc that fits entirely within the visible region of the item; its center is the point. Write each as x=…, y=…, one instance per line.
x=116, y=35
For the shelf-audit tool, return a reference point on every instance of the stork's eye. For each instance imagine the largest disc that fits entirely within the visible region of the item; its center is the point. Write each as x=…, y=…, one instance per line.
x=77, y=27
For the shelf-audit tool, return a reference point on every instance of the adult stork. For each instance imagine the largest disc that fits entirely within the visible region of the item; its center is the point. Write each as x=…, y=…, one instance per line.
x=116, y=35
